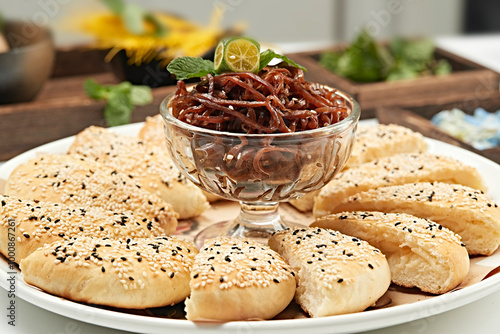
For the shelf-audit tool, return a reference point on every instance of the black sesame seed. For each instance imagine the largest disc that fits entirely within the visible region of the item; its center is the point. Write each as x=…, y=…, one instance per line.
x=103, y=269
x=370, y=266
x=172, y=274
x=340, y=280
x=275, y=280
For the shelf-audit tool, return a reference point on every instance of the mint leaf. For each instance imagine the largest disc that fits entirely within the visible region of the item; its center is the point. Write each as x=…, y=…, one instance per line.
x=190, y=67
x=268, y=55
x=141, y=95
x=94, y=90
x=119, y=108
x=329, y=60
x=120, y=99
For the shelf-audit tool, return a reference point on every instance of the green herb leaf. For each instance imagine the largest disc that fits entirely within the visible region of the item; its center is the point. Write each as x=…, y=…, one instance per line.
x=329, y=60
x=94, y=90
x=141, y=95
x=120, y=99
x=402, y=71
x=190, y=67
x=443, y=67
x=119, y=108
x=365, y=60
x=267, y=56
x=116, y=6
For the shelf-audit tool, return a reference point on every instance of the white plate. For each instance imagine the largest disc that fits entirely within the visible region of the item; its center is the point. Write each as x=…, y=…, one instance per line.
x=349, y=323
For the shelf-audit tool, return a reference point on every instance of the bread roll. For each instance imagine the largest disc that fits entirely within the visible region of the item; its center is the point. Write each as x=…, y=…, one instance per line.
x=394, y=170
x=336, y=273
x=132, y=273
x=33, y=224
x=420, y=252
x=238, y=279
x=466, y=211
x=152, y=169
x=373, y=142
x=68, y=180
x=153, y=133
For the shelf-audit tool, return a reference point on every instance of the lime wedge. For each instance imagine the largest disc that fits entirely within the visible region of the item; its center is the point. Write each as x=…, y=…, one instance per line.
x=237, y=54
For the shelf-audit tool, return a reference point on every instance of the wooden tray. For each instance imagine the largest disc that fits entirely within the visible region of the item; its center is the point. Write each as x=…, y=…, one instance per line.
x=468, y=80
x=62, y=108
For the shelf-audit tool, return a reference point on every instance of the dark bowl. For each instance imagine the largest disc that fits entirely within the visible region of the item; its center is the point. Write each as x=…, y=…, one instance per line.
x=28, y=64
x=151, y=74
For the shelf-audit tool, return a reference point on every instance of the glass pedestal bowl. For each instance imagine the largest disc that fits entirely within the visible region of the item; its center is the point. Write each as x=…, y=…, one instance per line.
x=258, y=170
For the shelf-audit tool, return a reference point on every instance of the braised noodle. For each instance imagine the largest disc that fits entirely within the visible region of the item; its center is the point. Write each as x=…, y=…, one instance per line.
x=277, y=100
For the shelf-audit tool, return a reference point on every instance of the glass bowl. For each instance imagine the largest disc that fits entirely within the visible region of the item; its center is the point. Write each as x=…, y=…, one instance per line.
x=258, y=170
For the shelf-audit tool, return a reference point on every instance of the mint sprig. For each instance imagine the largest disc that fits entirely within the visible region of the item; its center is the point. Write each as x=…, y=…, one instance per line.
x=267, y=56
x=121, y=99
x=190, y=67
x=195, y=67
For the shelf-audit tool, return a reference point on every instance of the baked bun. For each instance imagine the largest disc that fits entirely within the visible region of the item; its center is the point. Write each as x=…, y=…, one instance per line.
x=336, y=273
x=66, y=179
x=466, y=211
x=153, y=133
x=238, y=279
x=375, y=142
x=394, y=170
x=420, y=252
x=371, y=143
x=39, y=223
x=132, y=273
x=152, y=169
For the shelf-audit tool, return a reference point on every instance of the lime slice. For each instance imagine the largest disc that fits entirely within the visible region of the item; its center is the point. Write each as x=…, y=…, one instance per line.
x=237, y=54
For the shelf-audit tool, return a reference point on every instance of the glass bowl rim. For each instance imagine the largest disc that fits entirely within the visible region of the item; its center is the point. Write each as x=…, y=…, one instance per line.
x=338, y=127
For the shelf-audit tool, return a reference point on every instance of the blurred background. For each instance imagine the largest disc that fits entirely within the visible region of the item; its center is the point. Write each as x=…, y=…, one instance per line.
x=319, y=21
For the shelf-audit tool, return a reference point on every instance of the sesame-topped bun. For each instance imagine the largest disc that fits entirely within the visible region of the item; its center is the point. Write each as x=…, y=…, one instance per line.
x=371, y=143
x=336, y=273
x=132, y=273
x=152, y=169
x=420, y=252
x=153, y=133
x=238, y=279
x=466, y=211
x=375, y=142
x=394, y=170
x=68, y=180
x=38, y=223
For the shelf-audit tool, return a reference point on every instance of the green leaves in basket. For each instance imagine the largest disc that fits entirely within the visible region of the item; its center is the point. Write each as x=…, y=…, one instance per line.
x=365, y=60
x=121, y=99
